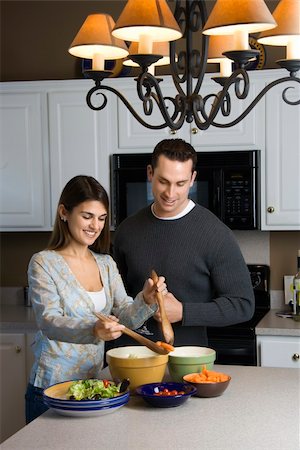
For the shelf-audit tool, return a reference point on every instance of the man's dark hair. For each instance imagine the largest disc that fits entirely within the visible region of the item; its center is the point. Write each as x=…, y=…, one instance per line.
x=175, y=150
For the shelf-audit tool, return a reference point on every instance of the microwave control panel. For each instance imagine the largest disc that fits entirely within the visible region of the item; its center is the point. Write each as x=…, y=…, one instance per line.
x=238, y=205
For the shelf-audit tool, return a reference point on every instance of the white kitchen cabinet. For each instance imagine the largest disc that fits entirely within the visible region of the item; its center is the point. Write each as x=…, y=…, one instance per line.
x=24, y=179
x=12, y=383
x=79, y=139
x=281, y=198
x=278, y=351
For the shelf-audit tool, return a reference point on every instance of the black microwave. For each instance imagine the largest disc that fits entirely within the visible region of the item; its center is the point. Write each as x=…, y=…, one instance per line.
x=227, y=184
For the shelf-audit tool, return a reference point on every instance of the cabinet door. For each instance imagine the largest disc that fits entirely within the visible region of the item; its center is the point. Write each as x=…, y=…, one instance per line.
x=79, y=141
x=24, y=201
x=279, y=351
x=131, y=136
x=12, y=384
x=246, y=135
x=281, y=202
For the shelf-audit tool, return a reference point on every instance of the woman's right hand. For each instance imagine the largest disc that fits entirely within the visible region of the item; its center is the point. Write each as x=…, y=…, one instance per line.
x=107, y=330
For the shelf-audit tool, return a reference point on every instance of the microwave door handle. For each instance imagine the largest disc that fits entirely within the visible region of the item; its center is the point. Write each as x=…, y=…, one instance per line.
x=218, y=195
x=218, y=207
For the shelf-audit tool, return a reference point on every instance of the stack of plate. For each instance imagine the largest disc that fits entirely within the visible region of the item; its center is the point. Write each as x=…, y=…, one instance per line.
x=55, y=398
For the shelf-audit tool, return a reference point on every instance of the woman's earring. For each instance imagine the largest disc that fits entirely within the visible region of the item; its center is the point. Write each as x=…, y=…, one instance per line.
x=64, y=219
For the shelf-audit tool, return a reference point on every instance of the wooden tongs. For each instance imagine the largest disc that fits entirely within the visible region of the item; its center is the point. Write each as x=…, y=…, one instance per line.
x=166, y=326
x=138, y=337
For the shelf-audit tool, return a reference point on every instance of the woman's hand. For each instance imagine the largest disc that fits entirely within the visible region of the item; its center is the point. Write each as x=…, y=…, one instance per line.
x=107, y=330
x=150, y=288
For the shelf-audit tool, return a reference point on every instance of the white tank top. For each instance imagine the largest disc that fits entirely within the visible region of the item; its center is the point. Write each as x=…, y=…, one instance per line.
x=99, y=299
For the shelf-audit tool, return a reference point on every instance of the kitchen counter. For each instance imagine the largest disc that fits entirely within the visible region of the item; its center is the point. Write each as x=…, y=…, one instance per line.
x=258, y=411
x=272, y=325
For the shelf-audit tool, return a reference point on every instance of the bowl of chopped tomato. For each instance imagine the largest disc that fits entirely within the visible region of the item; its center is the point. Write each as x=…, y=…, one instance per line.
x=165, y=394
x=208, y=383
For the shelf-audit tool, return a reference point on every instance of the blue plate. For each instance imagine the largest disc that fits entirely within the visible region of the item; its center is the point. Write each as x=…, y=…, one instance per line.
x=148, y=393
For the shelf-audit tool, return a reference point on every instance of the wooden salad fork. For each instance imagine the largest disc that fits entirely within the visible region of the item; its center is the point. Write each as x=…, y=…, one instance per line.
x=166, y=326
x=139, y=338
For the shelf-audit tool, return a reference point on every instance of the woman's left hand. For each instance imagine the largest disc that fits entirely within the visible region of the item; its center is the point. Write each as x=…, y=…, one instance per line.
x=150, y=289
x=108, y=330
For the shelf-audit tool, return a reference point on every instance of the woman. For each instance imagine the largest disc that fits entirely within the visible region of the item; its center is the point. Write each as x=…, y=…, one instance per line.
x=70, y=281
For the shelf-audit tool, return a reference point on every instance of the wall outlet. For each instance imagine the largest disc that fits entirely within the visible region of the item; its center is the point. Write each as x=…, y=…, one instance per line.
x=288, y=288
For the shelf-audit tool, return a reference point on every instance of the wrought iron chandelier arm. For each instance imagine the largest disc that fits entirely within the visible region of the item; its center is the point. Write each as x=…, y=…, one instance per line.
x=145, y=85
x=259, y=97
x=95, y=91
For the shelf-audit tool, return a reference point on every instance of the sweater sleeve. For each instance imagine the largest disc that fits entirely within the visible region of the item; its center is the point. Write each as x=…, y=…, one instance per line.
x=232, y=293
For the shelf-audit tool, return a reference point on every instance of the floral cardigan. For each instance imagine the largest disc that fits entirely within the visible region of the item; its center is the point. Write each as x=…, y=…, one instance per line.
x=65, y=347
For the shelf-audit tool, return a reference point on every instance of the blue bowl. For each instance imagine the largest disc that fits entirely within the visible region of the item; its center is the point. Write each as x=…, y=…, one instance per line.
x=148, y=393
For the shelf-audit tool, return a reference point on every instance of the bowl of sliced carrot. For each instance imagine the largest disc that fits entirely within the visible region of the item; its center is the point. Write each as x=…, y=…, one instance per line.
x=208, y=382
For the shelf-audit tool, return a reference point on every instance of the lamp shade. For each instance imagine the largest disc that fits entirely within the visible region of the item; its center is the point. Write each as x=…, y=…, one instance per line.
x=217, y=45
x=159, y=48
x=94, y=37
x=287, y=16
x=147, y=17
x=229, y=15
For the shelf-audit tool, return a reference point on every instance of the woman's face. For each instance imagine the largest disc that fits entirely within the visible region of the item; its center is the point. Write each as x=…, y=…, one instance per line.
x=86, y=221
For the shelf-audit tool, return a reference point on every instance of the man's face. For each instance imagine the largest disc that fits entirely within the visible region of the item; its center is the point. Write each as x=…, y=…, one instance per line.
x=171, y=182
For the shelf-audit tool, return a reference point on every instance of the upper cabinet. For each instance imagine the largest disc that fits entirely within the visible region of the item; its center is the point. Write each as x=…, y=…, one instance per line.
x=78, y=139
x=24, y=167
x=48, y=135
x=281, y=197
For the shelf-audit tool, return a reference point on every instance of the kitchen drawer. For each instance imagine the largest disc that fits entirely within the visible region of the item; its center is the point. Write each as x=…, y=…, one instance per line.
x=279, y=351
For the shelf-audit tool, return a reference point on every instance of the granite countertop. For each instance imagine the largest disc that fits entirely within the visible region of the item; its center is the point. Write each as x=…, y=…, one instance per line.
x=272, y=325
x=259, y=410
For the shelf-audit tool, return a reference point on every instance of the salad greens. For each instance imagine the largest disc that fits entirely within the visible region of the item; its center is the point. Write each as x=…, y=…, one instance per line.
x=92, y=389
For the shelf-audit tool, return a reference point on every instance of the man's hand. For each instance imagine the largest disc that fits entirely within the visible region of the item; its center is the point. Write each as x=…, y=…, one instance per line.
x=173, y=307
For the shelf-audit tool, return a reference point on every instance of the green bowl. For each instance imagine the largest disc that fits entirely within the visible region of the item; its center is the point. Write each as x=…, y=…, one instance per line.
x=185, y=360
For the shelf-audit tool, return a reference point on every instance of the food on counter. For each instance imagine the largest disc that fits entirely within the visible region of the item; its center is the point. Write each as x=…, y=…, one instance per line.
x=92, y=390
x=206, y=376
x=166, y=346
x=166, y=392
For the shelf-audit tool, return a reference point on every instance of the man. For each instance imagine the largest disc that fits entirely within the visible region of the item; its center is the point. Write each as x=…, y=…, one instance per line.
x=207, y=278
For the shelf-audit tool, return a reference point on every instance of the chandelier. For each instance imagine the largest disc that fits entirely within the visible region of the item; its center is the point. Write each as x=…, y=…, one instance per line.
x=224, y=38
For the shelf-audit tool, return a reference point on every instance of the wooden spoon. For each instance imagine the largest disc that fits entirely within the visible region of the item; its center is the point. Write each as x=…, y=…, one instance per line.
x=139, y=338
x=166, y=326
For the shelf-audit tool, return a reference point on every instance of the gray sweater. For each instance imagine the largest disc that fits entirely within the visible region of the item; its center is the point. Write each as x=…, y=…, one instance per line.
x=201, y=261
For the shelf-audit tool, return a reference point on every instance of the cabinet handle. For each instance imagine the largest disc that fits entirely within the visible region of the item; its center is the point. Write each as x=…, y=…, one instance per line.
x=173, y=131
x=270, y=209
x=18, y=349
x=296, y=356
x=195, y=130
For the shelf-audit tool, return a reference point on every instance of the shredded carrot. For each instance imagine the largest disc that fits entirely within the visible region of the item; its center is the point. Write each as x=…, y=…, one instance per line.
x=207, y=376
x=166, y=346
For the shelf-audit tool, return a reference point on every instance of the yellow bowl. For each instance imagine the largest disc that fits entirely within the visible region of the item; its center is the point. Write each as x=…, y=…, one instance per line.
x=137, y=363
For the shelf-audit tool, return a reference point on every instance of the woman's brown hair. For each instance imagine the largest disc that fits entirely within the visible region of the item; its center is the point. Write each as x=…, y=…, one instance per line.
x=78, y=190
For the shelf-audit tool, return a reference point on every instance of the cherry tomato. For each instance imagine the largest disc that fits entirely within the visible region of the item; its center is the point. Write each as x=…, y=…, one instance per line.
x=106, y=383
